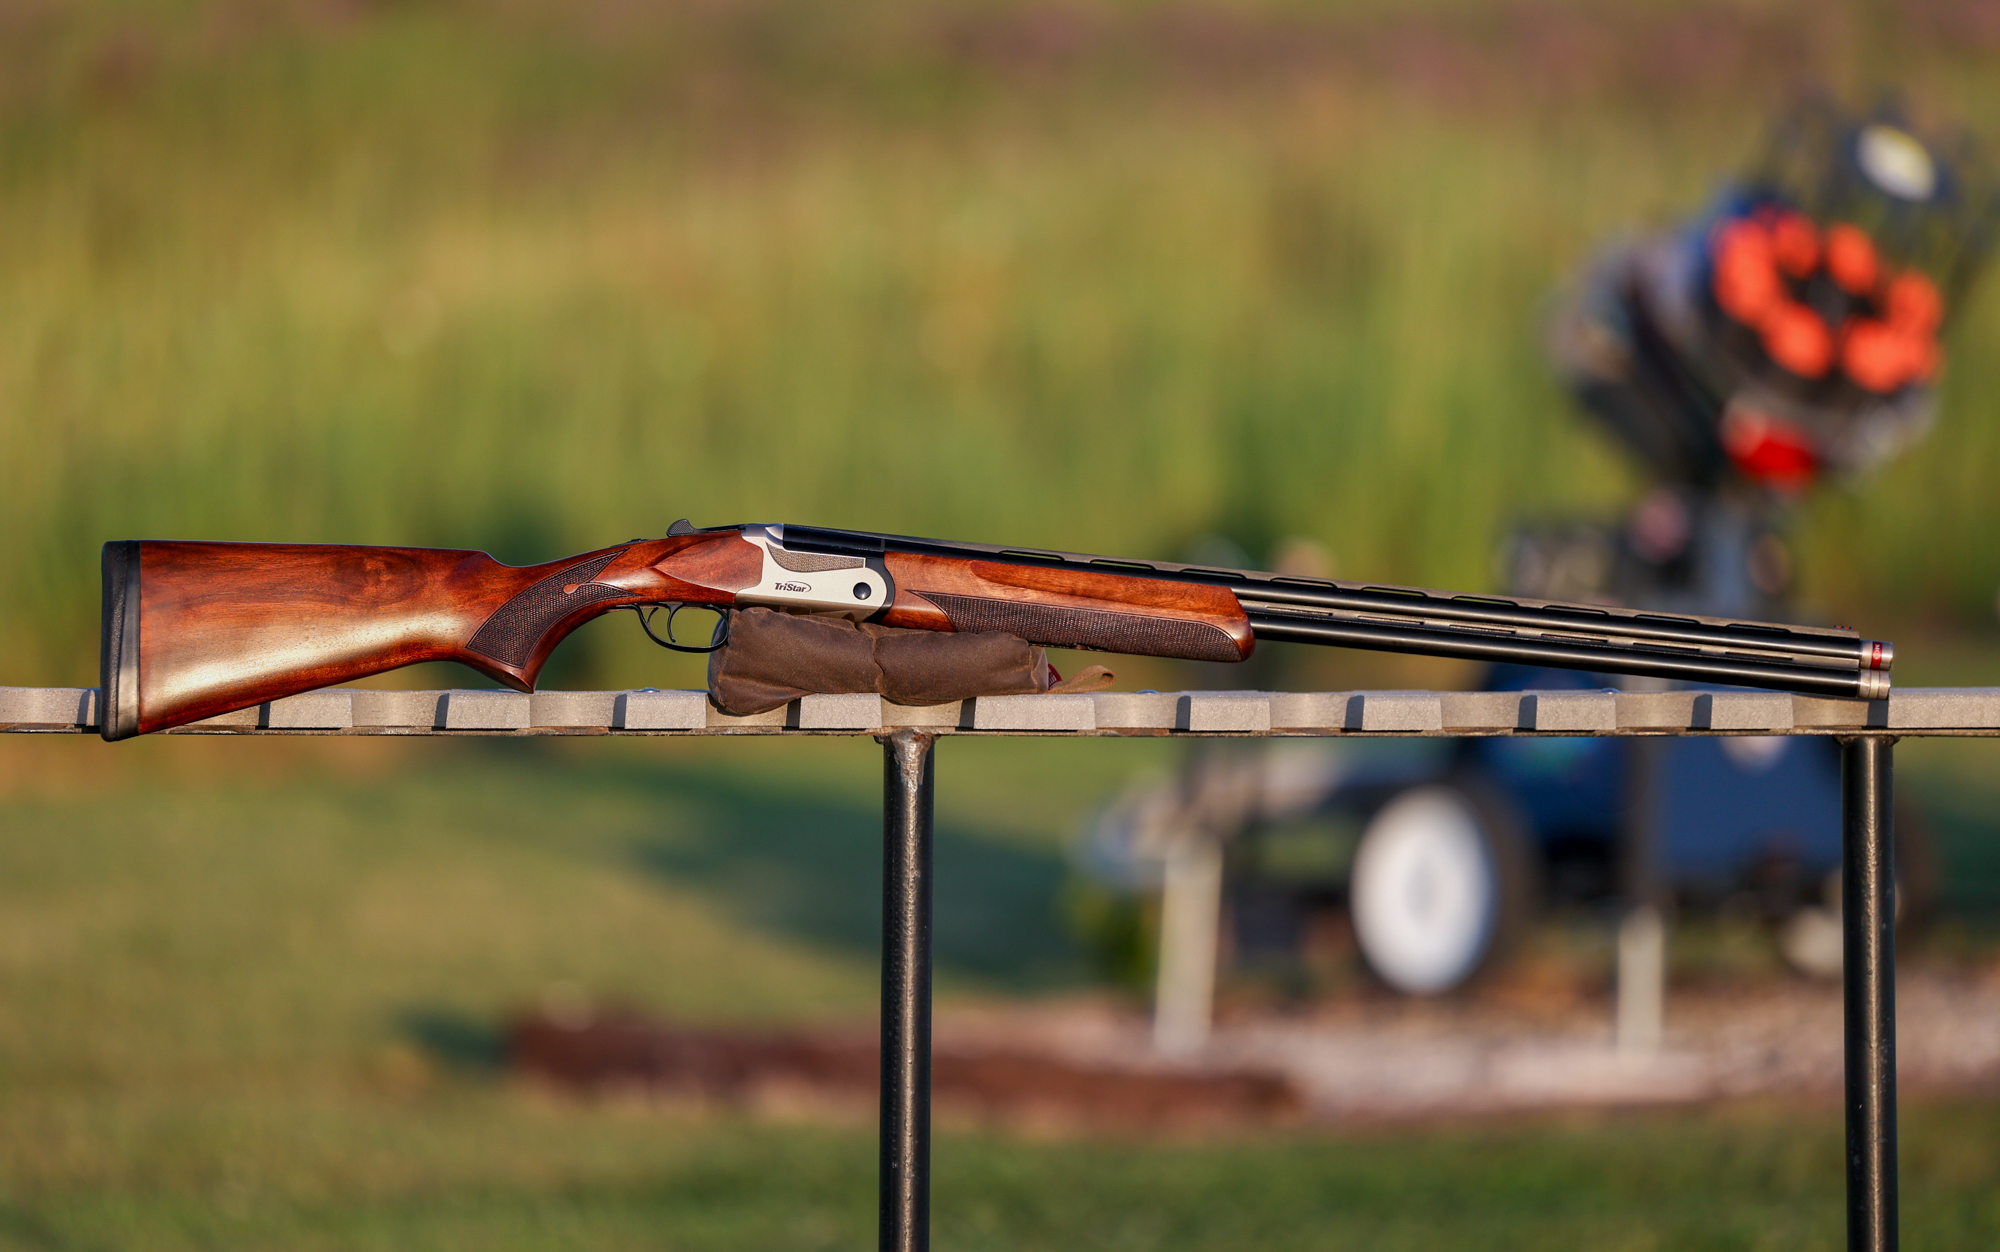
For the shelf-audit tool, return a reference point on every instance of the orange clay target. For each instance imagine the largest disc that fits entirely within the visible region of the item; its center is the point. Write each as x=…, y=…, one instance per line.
x=1762, y=267
x=1850, y=258
x=1796, y=338
x=1746, y=275
x=1914, y=306
x=1794, y=244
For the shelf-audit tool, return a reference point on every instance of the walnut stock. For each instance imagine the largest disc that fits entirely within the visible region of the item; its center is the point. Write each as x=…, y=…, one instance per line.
x=193, y=630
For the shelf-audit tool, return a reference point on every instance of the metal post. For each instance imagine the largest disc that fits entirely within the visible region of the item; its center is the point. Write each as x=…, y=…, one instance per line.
x=1868, y=922
x=1190, y=913
x=906, y=992
x=1642, y=983
x=1642, y=932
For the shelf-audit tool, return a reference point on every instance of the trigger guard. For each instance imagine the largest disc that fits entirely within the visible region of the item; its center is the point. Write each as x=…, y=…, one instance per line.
x=645, y=612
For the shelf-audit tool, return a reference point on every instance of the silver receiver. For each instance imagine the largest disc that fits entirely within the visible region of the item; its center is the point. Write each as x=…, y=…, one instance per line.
x=811, y=582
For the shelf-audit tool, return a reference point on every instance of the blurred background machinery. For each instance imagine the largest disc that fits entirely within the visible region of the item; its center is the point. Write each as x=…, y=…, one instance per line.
x=1787, y=337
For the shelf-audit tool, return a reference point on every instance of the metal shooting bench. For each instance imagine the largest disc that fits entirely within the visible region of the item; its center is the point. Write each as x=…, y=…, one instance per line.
x=1866, y=732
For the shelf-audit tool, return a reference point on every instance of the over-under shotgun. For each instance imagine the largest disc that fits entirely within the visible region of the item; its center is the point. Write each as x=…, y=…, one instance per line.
x=192, y=630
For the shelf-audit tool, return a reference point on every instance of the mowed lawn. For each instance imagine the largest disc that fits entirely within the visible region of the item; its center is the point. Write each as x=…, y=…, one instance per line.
x=250, y=997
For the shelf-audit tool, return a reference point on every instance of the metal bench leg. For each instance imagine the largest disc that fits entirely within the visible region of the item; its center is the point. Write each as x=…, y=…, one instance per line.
x=1868, y=920
x=906, y=992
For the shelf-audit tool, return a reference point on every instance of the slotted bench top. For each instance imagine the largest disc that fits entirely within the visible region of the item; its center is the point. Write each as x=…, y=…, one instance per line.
x=1915, y=711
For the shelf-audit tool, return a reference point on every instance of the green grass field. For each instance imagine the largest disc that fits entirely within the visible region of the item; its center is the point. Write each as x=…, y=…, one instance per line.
x=534, y=278
x=251, y=999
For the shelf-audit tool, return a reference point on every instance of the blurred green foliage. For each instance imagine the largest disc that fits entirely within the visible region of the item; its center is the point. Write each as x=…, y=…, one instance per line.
x=1118, y=930
x=536, y=277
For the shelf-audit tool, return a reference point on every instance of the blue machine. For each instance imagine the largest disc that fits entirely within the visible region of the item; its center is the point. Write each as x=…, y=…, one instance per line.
x=1726, y=814
x=1442, y=851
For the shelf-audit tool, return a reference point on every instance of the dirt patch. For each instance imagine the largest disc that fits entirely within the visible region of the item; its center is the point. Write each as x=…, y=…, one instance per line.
x=1373, y=1058
x=1089, y=1062
x=623, y=1050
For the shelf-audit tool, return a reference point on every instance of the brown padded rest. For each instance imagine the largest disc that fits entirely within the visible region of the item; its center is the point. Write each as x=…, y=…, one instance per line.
x=773, y=658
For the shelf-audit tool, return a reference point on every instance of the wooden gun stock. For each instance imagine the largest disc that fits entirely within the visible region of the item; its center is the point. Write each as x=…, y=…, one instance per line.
x=192, y=630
